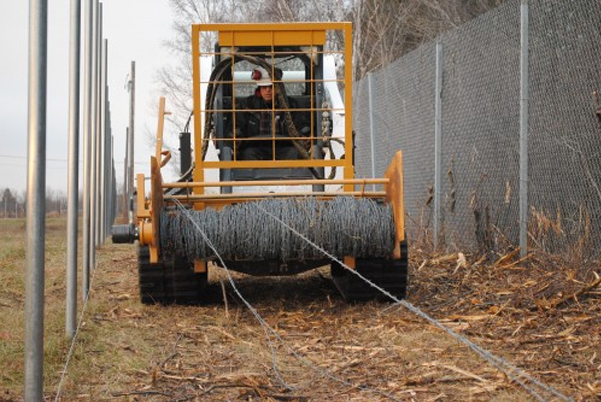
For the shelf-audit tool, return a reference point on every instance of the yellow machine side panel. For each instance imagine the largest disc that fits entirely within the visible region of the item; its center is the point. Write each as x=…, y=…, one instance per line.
x=394, y=196
x=269, y=38
x=198, y=173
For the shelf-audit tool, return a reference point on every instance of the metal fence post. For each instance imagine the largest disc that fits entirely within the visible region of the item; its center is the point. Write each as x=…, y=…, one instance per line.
x=87, y=133
x=73, y=190
x=36, y=194
x=114, y=180
x=438, y=144
x=102, y=138
x=524, y=96
x=108, y=166
x=107, y=157
x=97, y=128
x=372, y=124
x=125, y=174
x=94, y=135
x=132, y=107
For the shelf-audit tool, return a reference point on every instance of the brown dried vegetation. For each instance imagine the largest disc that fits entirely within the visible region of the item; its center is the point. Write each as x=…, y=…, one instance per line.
x=539, y=313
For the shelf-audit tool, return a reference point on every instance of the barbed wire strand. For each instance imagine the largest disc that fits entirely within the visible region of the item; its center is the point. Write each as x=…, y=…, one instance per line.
x=269, y=329
x=74, y=340
x=503, y=365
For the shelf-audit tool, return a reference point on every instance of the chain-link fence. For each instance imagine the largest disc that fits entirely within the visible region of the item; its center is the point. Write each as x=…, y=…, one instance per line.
x=480, y=125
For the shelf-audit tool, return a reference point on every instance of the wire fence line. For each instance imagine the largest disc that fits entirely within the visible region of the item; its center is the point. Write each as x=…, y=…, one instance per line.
x=480, y=124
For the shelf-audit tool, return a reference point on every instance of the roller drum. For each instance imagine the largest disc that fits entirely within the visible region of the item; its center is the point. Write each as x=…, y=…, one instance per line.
x=344, y=226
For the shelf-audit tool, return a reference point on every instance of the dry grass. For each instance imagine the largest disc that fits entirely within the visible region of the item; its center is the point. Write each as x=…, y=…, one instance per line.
x=521, y=311
x=12, y=302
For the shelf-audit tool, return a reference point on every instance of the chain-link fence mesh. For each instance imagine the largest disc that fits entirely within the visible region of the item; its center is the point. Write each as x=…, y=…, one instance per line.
x=403, y=111
x=565, y=136
x=481, y=127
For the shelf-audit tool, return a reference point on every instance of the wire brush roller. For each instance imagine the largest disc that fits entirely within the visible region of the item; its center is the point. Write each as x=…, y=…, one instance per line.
x=344, y=226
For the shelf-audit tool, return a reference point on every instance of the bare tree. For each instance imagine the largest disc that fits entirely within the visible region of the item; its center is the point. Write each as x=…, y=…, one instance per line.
x=176, y=79
x=309, y=11
x=383, y=31
x=8, y=201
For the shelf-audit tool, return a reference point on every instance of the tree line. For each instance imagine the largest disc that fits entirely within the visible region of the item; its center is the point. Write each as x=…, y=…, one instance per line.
x=13, y=203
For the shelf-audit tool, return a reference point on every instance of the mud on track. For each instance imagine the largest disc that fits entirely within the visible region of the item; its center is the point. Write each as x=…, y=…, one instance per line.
x=361, y=352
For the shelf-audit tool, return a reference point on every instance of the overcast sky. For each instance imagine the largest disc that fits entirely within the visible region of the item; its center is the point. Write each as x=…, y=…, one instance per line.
x=135, y=29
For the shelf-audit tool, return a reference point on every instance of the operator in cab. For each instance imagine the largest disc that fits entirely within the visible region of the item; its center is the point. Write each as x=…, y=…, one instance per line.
x=261, y=122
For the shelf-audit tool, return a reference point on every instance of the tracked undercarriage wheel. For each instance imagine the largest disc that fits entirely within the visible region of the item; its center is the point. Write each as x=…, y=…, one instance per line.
x=184, y=286
x=391, y=275
x=151, y=279
x=172, y=281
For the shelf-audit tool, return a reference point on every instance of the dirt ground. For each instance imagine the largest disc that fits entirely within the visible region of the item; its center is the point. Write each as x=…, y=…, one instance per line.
x=327, y=350
x=538, y=314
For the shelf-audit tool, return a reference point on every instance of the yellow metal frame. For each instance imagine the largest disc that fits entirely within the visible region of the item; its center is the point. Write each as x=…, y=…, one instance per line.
x=232, y=35
x=395, y=197
x=161, y=156
x=271, y=35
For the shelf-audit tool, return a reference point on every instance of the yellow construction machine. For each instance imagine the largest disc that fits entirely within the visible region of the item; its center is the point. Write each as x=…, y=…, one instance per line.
x=262, y=213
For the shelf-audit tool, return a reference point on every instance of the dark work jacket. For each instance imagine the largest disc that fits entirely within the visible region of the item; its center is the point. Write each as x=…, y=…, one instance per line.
x=248, y=121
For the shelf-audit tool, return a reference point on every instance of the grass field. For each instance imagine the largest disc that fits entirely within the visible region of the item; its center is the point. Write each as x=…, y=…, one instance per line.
x=12, y=301
x=329, y=350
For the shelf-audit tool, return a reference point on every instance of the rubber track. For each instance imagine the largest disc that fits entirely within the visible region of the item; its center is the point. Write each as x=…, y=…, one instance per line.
x=184, y=286
x=169, y=282
x=388, y=274
x=151, y=279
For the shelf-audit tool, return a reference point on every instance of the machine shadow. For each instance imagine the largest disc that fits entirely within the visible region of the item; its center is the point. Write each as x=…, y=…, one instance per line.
x=292, y=291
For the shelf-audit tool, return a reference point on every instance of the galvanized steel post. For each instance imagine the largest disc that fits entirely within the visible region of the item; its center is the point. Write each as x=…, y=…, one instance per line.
x=524, y=97
x=372, y=124
x=93, y=133
x=108, y=165
x=87, y=133
x=36, y=194
x=107, y=155
x=102, y=137
x=73, y=189
x=97, y=132
x=132, y=104
x=438, y=144
x=113, y=179
x=126, y=174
